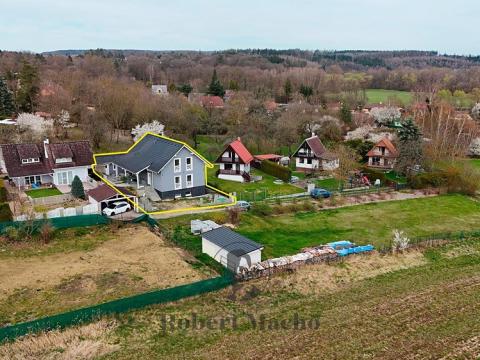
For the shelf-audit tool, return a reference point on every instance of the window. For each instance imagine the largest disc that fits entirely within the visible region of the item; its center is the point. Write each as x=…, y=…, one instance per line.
x=177, y=165
x=63, y=160
x=301, y=160
x=189, y=182
x=64, y=178
x=188, y=163
x=178, y=182
x=30, y=160
x=29, y=180
x=309, y=161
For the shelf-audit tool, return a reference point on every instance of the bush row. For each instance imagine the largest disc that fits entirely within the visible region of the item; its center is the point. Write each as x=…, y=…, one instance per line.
x=278, y=171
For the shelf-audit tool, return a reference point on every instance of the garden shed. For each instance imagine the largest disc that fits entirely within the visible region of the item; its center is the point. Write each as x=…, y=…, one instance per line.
x=231, y=249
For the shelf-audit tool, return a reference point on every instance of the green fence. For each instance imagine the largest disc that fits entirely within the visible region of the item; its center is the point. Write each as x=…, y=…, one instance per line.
x=60, y=222
x=115, y=307
x=87, y=314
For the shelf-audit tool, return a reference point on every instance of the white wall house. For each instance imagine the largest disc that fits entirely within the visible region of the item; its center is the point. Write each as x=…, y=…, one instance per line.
x=312, y=155
x=32, y=165
x=234, y=162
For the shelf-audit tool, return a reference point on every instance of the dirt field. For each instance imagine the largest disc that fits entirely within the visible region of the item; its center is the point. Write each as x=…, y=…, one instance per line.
x=135, y=260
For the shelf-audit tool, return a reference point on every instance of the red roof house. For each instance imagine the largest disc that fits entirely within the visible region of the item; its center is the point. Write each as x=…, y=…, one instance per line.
x=234, y=162
x=212, y=102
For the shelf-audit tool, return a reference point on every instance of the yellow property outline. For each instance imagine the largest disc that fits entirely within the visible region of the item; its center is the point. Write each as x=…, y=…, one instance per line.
x=208, y=164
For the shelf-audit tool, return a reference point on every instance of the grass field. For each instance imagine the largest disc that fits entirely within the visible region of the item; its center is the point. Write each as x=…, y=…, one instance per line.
x=39, y=193
x=413, y=305
x=372, y=223
x=331, y=184
x=262, y=187
x=375, y=96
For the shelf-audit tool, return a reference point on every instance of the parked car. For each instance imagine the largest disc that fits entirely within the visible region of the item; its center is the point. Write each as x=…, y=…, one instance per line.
x=320, y=193
x=243, y=205
x=116, y=208
x=294, y=179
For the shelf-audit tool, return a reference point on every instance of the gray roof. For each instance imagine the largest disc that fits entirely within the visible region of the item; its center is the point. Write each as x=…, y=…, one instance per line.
x=151, y=152
x=230, y=240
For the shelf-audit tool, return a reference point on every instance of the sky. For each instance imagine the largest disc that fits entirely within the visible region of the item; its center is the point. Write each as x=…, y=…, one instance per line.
x=43, y=25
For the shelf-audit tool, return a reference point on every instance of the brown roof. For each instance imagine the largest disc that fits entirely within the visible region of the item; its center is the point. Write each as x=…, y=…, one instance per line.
x=61, y=150
x=319, y=149
x=13, y=154
x=386, y=143
x=104, y=192
x=27, y=151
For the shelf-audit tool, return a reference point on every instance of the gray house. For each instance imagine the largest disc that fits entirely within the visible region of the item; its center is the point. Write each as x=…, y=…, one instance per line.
x=172, y=168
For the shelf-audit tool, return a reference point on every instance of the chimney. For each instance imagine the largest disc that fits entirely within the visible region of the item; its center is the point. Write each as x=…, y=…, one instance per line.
x=313, y=133
x=45, y=143
x=238, y=138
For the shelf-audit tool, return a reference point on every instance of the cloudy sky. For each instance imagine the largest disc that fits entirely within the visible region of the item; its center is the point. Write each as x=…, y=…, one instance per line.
x=42, y=25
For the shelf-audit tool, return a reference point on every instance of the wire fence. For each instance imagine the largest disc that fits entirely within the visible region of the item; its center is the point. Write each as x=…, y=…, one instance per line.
x=92, y=313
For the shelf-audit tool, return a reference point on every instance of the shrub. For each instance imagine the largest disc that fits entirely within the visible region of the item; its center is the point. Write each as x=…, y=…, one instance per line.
x=12, y=233
x=262, y=209
x=46, y=232
x=279, y=171
x=234, y=215
x=77, y=188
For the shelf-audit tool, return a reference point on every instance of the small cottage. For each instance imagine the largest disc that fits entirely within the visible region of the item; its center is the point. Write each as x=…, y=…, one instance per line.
x=234, y=162
x=312, y=155
x=383, y=155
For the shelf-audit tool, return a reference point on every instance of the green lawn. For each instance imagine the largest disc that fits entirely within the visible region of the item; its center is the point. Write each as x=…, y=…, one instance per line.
x=38, y=193
x=475, y=163
x=392, y=175
x=245, y=191
x=372, y=223
x=331, y=184
x=383, y=96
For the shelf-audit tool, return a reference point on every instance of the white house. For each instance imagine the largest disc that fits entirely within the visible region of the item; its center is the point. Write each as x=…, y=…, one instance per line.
x=231, y=249
x=234, y=162
x=312, y=155
x=160, y=89
x=36, y=164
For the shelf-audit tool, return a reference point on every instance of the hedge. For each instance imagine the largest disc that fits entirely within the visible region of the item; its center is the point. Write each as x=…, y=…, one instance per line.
x=278, y=171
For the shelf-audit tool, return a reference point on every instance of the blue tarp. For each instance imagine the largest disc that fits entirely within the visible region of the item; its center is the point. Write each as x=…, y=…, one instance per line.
x=344, y=248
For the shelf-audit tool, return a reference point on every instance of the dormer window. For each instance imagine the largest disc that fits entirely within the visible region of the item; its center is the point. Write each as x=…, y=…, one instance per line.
x=30, y=160
x=63, y=160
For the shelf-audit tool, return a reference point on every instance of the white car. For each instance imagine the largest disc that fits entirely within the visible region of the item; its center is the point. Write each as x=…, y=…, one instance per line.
x=116, y=208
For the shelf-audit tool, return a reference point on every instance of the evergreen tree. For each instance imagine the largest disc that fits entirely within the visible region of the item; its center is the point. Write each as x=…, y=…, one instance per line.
x=288, y=90
x=306, y=91
x=345, y=114
x=77, y=188
x=215, y=88
x=410, y=149
x=28, y=90
x=409, y=131
x=7, y=107
x=185, y=89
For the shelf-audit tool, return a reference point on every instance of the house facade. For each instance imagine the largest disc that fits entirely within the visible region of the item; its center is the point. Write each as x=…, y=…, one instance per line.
x=234, y=162
x=32, y=165
x=383, y=155
x=170, y=168
x=312, y=155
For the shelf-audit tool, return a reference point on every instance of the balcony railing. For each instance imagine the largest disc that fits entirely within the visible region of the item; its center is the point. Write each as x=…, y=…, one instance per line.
x=229, y=160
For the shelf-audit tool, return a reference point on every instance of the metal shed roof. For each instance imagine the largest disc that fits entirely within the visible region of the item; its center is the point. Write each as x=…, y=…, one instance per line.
x=231, y=241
